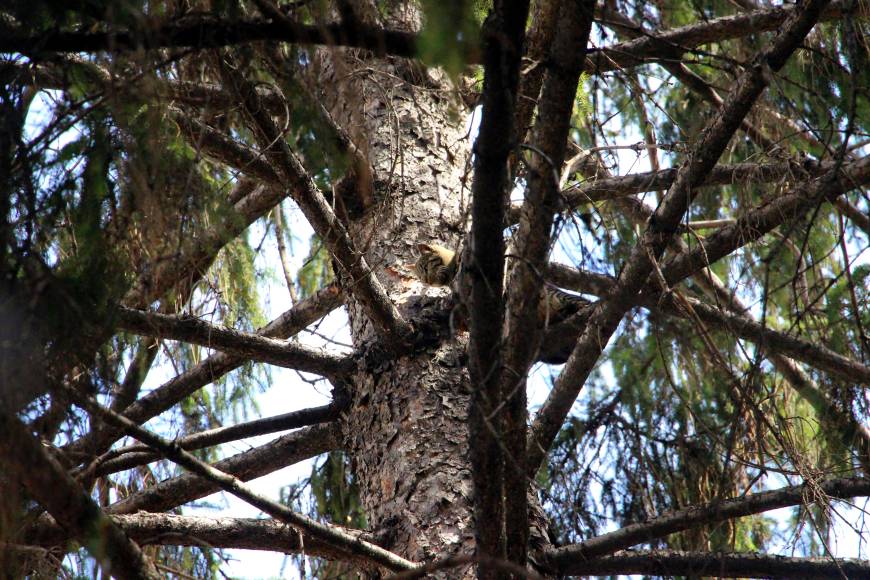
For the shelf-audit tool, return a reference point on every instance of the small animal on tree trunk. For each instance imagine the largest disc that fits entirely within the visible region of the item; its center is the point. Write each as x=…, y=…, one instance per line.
x=437, y=266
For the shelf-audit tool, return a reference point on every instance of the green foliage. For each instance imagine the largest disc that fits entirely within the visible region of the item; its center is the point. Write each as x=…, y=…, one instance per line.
x=449, y=29
x=583, y=107
x=336, y=493
x=236, y=286
x=335, y=496
x=316, y=272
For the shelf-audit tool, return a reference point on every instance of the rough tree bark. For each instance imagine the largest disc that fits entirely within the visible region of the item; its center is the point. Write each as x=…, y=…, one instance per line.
x=406, y=428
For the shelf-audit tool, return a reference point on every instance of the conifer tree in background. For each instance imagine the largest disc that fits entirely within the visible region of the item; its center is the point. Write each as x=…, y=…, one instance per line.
x=717, y=371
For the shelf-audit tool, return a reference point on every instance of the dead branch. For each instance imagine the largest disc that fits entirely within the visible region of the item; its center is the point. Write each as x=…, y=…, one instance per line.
x=29, y=462
x=721, y=565
x=249, y=346
x=227, y=482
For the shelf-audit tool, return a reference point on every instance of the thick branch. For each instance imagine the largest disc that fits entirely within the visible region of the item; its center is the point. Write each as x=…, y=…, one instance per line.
x=243, y=533
x=532, y=244
x=223, y=148
x=857, y=217
x=671, y=44
x=250, y=346
x=627, y=185
x=27, y=460
x=211, y=32
x=233, y=485
x=133, y=455
x=211, y=369
x=818, y=356
x=286, y=450
x=204, y=31
x=718, y=564
x=707, y=514
x=483, y=271
x=609, y=312
x=538, y=40
x=196, y=258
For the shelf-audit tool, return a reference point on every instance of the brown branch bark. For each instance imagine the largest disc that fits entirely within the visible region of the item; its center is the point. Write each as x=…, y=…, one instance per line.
x=223, y=148
x=720, y=565
x=483, y=271
x=708, y=513
x=249, y=346
x=815, y=355
x=784, y=209
x=286, y=450
x=195, y=259
x=609, y=312
x=27, y=461
x=132, y=455
x=227, y=482
x=693, y=81
x=851, y=432
x=170, y=493
x=214, y=367
x=244, y=158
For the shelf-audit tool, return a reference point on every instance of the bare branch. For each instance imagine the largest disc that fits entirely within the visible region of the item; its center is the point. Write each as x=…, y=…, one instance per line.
x=212, y=368
x=223, y=480
x=626, y=185
x=850, y=431
x=721, y=565
x=27, y=460
x=133, y=455
x=281, y=452
x=250, y=346
x=671, y=44
x=531, y=246
x=708, y=513
x=815, y=355
x=222, y=532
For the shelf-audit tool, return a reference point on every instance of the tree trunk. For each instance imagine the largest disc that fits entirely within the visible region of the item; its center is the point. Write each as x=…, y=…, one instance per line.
x=406, y=430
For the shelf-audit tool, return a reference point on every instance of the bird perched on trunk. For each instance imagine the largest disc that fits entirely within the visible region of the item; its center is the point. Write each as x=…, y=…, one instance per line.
x=437, y=266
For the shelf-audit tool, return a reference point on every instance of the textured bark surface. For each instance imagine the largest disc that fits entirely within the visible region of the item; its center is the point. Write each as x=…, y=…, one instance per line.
x=406, y=426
